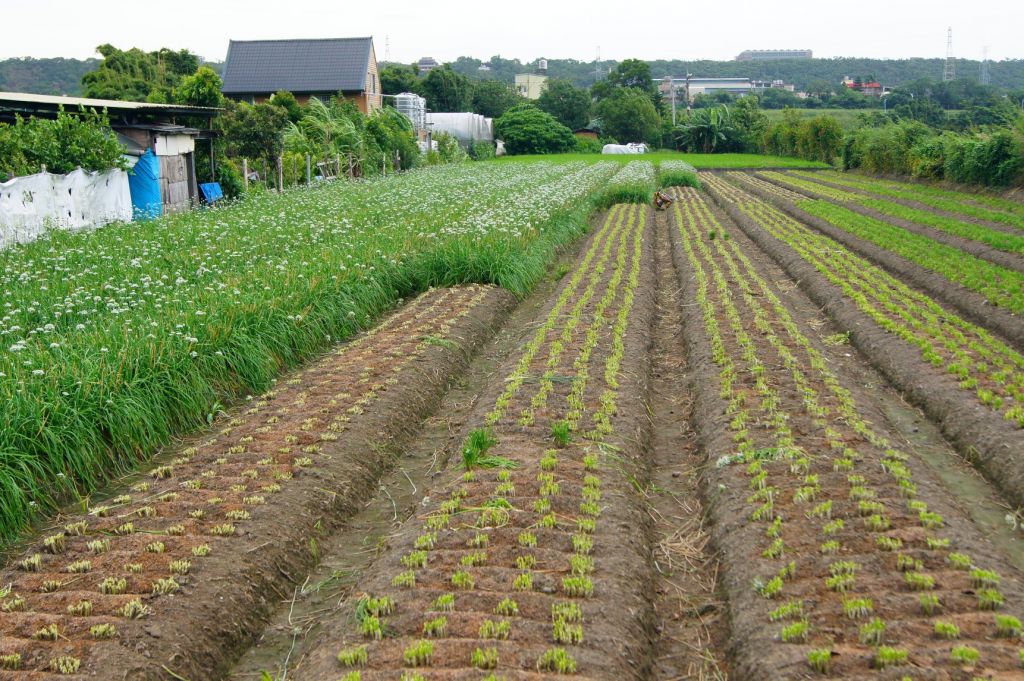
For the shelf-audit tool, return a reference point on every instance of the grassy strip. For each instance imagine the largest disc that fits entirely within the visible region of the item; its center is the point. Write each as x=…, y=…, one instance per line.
x=634, y=183
x=1003, y=241
x=702, y=161
x=677, y=174
x=999, y=285
x=116, y=341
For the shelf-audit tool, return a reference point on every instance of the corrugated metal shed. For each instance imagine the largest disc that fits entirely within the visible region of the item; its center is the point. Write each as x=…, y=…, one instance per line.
x=325, y=65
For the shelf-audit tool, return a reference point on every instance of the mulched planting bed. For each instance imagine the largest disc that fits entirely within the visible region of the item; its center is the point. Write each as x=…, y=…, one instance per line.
x=840, y=553
x=176, y=571
x=540, y=564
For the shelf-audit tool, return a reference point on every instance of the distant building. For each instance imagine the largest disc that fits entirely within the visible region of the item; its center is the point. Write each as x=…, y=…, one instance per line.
x=426, y=65
x=705, y=86
x=531, y=85
x=587, y=133
x=773, y=84
x=256, y=69
x=871, y=88
x=768, y=55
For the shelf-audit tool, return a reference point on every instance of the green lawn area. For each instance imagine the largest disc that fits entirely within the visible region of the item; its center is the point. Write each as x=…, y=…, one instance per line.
x=699, y=161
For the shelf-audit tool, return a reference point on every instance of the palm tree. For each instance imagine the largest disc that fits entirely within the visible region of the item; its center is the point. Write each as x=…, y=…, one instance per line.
x=705, y=129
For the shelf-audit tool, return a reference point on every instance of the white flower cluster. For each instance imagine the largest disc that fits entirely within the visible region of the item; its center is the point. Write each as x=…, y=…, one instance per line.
x=75, y=300
x=677, y=167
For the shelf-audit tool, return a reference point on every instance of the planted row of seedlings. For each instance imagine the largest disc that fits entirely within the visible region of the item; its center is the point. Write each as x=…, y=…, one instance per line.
x=992, y=209
x=980, y=363
x=836, y=563
x=104, y=574
x=1000, y=286
x=1004, y=239
x=509, y=569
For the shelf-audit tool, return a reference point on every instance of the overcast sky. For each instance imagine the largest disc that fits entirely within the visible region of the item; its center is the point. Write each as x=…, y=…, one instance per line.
x=527, y=29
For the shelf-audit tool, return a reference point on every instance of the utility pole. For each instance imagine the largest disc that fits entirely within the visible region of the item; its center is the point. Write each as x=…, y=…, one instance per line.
x=688, y=76
x=949, y=72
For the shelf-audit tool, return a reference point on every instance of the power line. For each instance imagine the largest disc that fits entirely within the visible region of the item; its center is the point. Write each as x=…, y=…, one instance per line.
x=949, y=72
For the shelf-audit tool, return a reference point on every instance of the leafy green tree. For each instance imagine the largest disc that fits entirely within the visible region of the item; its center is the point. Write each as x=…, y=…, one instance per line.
x=398, y=78
x=446, y=90
x=628, y=115
x=569, y=104
x=254, y=130
x=751, y=123
x=286, y=100
x=923, y=109
x=136, y=75
x=492, y=98
x=202, y=88
x=525, y=129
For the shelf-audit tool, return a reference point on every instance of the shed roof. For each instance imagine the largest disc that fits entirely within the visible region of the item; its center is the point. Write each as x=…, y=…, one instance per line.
x=323, y=65
x=25, y=102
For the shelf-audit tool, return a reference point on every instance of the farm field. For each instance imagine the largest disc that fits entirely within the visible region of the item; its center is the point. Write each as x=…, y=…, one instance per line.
x=522, y=425
x=699, y=161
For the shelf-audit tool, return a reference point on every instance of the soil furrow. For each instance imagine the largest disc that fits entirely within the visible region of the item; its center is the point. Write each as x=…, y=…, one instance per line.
x=690, y=620
x=199, y=548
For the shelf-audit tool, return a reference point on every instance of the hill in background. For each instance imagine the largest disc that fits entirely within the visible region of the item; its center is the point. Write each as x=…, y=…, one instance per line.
x=57, y=76
x=60, y=76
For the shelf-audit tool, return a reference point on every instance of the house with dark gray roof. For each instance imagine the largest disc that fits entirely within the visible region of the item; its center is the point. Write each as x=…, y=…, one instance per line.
x=323, y=68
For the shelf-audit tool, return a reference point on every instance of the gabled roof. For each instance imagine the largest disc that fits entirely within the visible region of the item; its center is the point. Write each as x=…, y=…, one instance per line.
x=326, y=65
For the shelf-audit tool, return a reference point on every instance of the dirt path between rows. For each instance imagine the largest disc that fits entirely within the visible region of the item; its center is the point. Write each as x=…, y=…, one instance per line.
x=691, y=623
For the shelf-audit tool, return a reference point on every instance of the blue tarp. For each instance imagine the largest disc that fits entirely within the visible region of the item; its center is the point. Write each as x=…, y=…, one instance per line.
x=144, y=184
x=211, y=191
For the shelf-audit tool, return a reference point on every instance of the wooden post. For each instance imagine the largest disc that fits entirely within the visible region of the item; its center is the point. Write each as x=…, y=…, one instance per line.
x=309, y=171
x=280, y=174
x=337, y=166
x=245, y=173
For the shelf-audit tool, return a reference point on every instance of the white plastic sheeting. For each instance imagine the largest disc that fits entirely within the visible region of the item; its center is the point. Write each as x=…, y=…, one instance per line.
x=32, y=204
x=465, y=127
x=631, y=148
